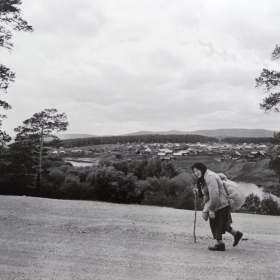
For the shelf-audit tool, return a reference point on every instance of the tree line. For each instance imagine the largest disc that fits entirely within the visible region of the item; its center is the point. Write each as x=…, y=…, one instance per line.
x=157, y=138
x=154, y=138
x=241, y=140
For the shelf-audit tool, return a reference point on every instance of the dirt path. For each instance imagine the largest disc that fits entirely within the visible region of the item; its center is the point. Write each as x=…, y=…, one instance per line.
x=56, y=239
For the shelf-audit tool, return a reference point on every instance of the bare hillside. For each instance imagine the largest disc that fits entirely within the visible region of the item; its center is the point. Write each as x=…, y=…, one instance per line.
x=256, y=172
x=55, y=239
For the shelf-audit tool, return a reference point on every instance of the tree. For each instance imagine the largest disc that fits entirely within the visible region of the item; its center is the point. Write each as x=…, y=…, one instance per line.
x=270, y=80
x=269, y=206
x=36, y=133
x=10, y=20
x=274, y=164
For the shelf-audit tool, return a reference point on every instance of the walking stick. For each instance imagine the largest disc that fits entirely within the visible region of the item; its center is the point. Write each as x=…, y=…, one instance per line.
x=194, y=225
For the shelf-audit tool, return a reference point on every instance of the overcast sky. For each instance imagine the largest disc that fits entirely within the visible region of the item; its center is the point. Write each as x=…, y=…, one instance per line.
x=120, y=66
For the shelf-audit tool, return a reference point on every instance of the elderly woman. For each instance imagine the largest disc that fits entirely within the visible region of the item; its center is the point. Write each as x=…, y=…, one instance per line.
x=211, y=188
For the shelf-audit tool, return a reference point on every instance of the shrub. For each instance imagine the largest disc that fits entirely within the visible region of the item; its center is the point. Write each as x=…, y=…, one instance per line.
x=252, y=204
x=269, y=207
x=103, y=181
x=155, y=199
x=48, y=188
x=64, y=168
x=136, y=195
x=57, y=176
x=170, y=170
x=121, y=166
x=71, y=188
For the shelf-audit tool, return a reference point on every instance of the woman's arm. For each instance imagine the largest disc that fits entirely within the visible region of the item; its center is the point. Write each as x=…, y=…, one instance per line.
x=213, y=188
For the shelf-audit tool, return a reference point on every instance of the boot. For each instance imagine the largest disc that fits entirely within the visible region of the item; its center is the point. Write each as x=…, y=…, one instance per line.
x=237, y=237
x=218, y=247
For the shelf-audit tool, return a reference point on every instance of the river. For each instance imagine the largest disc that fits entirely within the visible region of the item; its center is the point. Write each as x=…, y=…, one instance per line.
x=253, y=188
x=81, y=164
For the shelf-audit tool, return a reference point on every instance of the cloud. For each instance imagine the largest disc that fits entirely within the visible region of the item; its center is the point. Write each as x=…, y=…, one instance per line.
x=120, y=66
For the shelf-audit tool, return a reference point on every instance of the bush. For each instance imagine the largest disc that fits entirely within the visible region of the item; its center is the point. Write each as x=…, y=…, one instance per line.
x=252, y=204
x=57, y=176
x=105, y=182
x=136, y=195
x=269, y=207
x=48, y=189
x=71, y=188
x=121, y=165
x=175, y=192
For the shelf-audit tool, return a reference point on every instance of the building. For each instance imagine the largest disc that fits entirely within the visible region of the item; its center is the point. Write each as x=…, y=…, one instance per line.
x=236, y=155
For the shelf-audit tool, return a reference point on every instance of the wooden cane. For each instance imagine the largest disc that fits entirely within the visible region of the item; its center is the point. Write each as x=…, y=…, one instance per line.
x=194, y=215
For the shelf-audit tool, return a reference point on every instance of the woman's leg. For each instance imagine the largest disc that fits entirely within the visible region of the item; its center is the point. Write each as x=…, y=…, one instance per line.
x=232, y=231
x=236, y=234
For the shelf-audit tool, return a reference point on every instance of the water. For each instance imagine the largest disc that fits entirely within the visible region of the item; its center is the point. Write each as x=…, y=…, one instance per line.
x=253, y=188
x=80, y=163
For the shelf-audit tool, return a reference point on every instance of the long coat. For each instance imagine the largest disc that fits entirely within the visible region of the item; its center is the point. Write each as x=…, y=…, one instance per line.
x=215, y=191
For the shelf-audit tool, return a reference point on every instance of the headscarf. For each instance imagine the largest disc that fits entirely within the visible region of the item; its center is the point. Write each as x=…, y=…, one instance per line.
x=200, y=181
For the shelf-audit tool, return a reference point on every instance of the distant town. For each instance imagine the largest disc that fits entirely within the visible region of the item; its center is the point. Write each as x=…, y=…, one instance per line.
x=173, y=151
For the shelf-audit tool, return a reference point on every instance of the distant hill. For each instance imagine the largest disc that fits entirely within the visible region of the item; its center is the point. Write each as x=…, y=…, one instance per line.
x=74, y=136
x=235, y=132
x=218, y=133
x=63, y=137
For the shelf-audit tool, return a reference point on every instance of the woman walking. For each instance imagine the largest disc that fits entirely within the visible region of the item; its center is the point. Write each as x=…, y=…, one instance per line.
x=211, y=188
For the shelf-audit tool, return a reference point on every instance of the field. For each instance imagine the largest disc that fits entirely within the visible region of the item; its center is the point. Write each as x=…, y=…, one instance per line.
x=60, y=239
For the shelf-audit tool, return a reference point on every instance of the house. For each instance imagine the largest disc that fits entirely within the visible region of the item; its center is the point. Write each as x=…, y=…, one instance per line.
x=225, y=157
x=192, y=152
x=181, y=153
x=166, y=151
x=76, y=151
x=250, y=157
x=166, y=158
x=248, y=147
x=147, y=150
x=262, y=147
x=258, y=154
x=178, y=154
x=213, y=148
x=236, y=155
x=186, y=152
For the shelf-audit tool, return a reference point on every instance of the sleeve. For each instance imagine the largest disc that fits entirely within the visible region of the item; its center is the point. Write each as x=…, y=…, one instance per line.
x=213, y=188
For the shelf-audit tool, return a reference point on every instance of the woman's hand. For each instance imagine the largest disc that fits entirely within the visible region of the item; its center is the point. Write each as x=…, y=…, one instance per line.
x=211, y=214
x=195, y=191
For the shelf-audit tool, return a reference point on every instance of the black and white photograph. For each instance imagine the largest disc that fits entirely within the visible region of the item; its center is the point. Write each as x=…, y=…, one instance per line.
x=139, y=140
